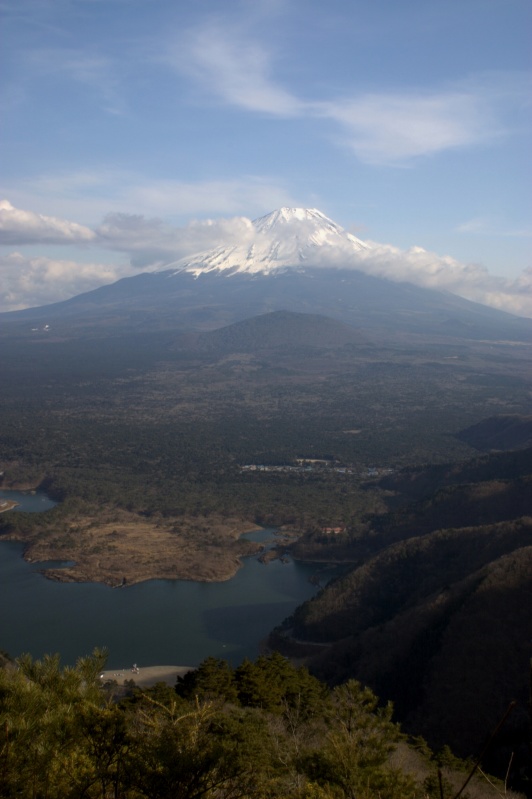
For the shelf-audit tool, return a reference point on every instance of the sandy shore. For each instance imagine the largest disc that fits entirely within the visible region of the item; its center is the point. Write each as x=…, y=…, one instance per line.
x=146, y=676
x=7, y=504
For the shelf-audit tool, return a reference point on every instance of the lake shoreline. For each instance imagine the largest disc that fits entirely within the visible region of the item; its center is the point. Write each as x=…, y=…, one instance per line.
x=7, y=505
x=145, y=676
x=154, y=622
x=121, y=548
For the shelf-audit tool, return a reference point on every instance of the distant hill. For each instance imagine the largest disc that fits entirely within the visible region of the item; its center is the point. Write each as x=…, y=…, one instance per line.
x=423, y=481
x=499, y=433
x=279, y=330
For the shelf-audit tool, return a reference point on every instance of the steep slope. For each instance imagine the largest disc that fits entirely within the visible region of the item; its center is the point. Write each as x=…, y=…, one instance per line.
x=448, y=640
x=436, y=616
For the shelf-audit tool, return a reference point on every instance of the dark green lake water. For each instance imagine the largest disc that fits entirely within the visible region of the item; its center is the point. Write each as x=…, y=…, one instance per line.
x=156, y=622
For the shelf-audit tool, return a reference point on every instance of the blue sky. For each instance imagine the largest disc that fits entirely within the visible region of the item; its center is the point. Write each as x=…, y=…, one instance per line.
x=127, y=123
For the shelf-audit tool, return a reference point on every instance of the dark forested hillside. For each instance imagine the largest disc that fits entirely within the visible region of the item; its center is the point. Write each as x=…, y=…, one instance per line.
x=437, y=616
x=499, y=432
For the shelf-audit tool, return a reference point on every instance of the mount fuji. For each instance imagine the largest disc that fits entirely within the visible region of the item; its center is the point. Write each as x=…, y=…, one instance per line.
x=292, y=260
x=290, y=238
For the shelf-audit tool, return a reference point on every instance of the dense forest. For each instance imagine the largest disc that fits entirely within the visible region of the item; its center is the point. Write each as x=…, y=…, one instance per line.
x=264, y=729
x=150, y=426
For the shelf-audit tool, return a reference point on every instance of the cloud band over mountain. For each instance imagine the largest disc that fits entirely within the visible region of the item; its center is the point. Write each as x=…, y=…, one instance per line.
x=126, y=244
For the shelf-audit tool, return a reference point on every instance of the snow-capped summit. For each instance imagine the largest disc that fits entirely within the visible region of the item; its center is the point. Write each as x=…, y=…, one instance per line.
x=284, y=216
x=286, y=238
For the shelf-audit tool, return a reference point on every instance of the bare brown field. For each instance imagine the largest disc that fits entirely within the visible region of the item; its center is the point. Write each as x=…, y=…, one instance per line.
x=130, y=549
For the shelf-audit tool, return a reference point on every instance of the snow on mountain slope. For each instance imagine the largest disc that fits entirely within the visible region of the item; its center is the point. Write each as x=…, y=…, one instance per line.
x=288, y=237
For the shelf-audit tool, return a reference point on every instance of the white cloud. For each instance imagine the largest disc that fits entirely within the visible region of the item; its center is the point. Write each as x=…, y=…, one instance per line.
x=88, y=194
x=152, y=242
x=390, y=127
x=88, y=68
x=444, y=273
x=28, y=282
x=97, y=73
x=396, y=126
x=26, y=227
x=233, y=66
x=476, y=225
x=488, y=226
x=172, y=197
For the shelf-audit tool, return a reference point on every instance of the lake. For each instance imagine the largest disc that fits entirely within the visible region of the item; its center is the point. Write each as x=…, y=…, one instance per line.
x=30, y=501
x=155, y=622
